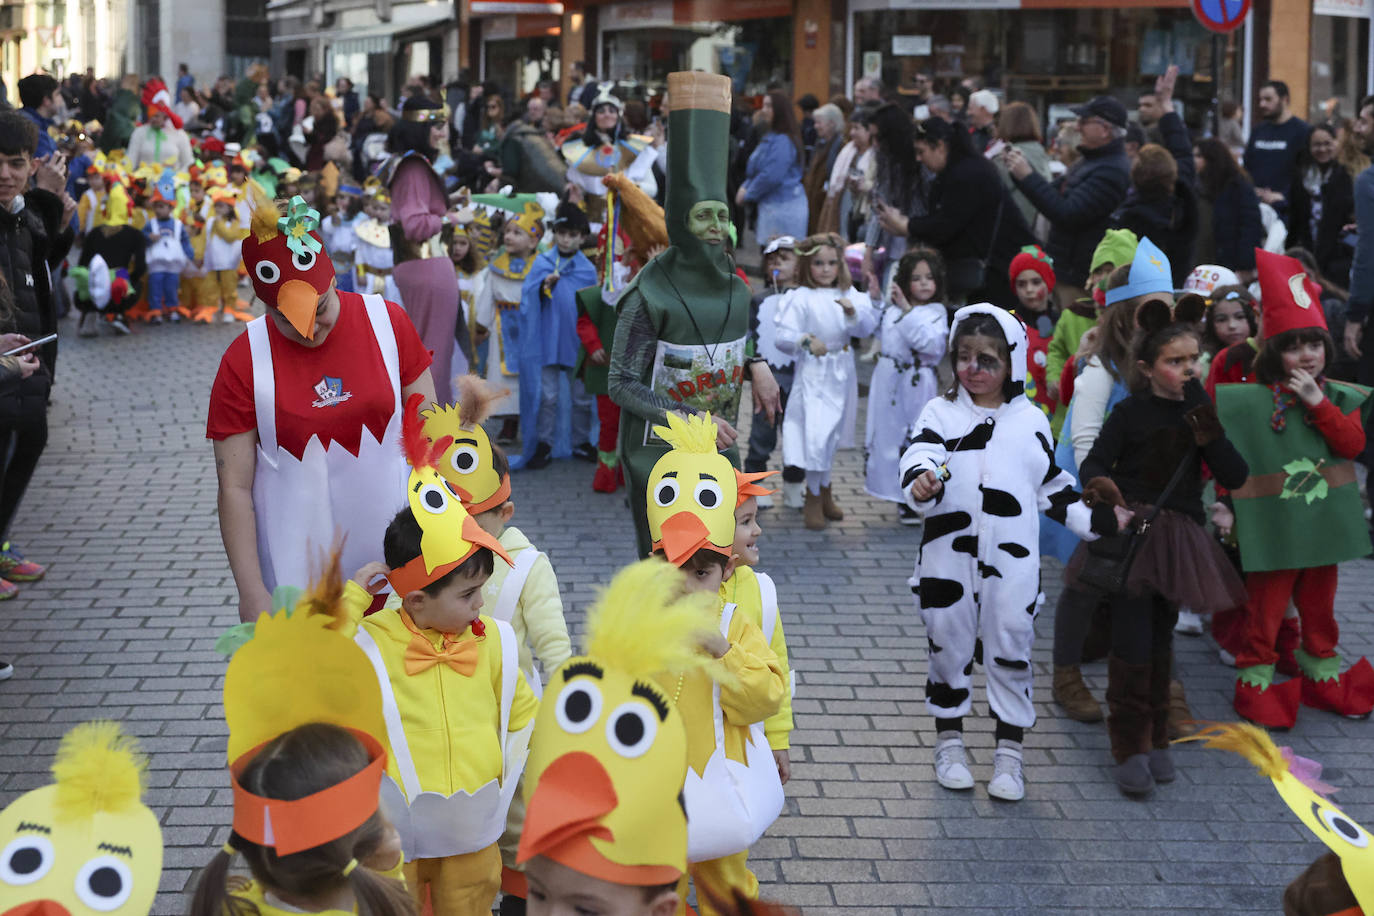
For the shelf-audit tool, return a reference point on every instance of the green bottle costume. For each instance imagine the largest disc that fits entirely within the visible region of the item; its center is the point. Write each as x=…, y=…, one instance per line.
x=683, y=320
x=1278, y=531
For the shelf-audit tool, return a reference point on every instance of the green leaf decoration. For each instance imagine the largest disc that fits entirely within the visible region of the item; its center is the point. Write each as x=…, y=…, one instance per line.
x=1304, y=480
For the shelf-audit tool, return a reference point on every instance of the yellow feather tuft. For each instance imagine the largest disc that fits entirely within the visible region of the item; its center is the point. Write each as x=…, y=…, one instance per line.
x=476, y=397
x=695, y=434
x=98, y=769
x=325, y=597
x=1250, y=742
x=263, y=222
x=644, y=624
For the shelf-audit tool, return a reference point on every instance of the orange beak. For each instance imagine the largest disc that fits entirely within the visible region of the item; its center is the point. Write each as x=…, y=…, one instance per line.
x=297, y=301
x=683, y=535
x=573, y=795
x=38, y=908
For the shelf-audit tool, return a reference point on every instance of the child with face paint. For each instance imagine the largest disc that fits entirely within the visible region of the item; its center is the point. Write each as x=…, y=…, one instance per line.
x=984, y=450
x=815, y=323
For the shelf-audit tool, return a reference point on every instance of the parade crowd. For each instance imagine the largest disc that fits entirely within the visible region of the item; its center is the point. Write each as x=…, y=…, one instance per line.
x=1129, y=345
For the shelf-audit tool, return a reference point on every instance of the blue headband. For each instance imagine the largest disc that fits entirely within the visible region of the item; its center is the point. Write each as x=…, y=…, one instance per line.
x=1150, y=273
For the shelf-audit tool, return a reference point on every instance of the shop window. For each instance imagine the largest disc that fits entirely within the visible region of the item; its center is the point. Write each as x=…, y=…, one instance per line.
x=755, y=54
x=1340, y=66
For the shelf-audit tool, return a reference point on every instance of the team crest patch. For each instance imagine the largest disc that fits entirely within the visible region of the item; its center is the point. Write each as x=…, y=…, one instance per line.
x=329, y=392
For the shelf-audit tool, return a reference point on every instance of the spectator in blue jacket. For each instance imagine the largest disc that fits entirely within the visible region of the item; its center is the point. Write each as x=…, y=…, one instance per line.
x=38, y=95
x=1276, y=142
x=773, y=177
x=1229, y=229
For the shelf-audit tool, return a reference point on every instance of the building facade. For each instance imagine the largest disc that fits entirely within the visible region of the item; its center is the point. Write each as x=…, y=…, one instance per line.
x=62, y=37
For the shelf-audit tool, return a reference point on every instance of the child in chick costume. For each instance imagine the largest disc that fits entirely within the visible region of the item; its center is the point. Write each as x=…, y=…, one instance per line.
x=605, y=829
x=458, y=709
x=85, y=845
x=305, y=774
x=733, y=791
x=524, y=594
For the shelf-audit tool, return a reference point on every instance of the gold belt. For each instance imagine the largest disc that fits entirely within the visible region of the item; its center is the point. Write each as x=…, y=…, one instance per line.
x=375, y=271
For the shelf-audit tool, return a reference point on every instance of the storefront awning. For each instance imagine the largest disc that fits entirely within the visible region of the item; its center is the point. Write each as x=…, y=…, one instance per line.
x=516, y=8
x=381, y=30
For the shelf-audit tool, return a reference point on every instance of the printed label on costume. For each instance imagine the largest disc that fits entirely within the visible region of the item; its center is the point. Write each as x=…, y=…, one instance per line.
x=687, y=374
x=329, y=392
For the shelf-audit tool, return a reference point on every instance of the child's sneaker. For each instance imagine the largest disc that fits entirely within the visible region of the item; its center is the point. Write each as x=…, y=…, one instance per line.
x=1189, y=623
x=15, y=568
x=7, y=590
x=6, y=671
x=951, y=764
x=1007, y=782
x=227, y=318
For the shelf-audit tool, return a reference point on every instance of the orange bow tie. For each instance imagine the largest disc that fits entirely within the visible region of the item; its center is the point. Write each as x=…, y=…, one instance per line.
x=460, y=656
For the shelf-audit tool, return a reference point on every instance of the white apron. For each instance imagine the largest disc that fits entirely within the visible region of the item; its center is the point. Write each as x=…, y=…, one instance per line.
x=302, y=505
x=431, y=825
x=511, y=588
x=731, y=804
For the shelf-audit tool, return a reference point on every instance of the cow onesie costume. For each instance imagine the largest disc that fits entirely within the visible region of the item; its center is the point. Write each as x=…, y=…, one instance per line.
x=977, y=580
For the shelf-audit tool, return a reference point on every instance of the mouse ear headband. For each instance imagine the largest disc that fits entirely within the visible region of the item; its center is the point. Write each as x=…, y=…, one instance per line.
x=1153, y=315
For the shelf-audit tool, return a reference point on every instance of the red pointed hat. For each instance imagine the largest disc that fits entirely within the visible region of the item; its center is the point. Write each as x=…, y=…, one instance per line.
x=1290, y=299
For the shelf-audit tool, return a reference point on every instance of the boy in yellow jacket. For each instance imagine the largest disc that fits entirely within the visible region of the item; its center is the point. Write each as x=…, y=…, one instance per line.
x=525, y=592
x=756, y=597
x=733, y=791
x=458, y=709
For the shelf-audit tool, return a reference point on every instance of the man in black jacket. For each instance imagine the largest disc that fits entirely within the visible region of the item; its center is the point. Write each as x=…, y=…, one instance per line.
x=34, y=238
x=1080, y=210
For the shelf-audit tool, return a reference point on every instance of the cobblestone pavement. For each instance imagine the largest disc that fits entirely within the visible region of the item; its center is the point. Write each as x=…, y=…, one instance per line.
x=123, y=511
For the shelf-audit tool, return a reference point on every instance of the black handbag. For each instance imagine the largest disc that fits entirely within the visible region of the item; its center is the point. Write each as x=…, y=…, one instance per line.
x=1107, y=563
x=964, y=275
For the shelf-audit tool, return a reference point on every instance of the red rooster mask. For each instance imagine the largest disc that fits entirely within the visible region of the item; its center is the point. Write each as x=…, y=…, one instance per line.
x=286, y=260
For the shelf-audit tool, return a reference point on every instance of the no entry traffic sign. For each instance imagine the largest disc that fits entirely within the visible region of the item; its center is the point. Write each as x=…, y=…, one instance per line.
x=1221, y=15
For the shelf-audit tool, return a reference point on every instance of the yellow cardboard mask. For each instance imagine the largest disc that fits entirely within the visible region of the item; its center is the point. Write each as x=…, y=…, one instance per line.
x=87, y=844
x=468, y=463
x=1298, y=784
x=608, y=756
x=692, y=491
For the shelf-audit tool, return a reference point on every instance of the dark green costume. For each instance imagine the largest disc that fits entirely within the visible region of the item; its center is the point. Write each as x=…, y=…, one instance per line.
x=683, y=320
x=595, y=378
x=1277, y=525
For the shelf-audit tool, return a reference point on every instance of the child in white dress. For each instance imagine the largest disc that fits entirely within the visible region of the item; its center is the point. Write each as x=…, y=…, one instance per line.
x=815, y=323
x=912, y=334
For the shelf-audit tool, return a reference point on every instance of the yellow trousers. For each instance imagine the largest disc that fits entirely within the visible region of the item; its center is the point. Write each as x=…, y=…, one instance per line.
x=223, y=289
x=464, y=885
x=721, y=876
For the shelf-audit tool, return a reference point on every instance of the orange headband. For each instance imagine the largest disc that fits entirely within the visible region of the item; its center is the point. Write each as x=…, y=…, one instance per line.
x=293, y=826
x=491, y=502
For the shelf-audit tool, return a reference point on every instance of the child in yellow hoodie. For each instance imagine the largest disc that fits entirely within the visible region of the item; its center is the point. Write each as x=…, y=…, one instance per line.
x=458, y=710
x=733, y=791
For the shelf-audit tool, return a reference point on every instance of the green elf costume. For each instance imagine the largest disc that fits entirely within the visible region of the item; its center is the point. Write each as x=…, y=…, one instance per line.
x=683, y=320
x=1299, y=514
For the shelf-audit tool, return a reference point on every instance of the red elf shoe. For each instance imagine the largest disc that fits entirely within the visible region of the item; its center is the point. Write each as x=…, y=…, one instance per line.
x=1351, y=694
x=1275, y=706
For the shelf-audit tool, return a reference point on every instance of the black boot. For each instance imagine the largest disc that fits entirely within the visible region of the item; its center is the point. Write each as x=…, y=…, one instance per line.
x=1129, y=725
x=542, y=457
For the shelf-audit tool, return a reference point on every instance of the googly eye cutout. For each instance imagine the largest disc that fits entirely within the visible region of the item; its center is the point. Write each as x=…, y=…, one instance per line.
x=104, y=883
x=26, y=859
x=579, y=707
x=267, y=272
x=1336, y=821
x=434, y=498
x=303, y=260
x=631, y=728
x=464, y=459
x=665, y=494
x=708, y=494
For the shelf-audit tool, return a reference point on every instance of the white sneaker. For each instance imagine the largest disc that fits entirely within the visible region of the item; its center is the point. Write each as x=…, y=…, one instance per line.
x=6, y=671
x=119, y=326
x=763, y=501
x=951, y=764
x=793, y=494
x=1007, y=783
x=226, y=318
x=1227, y=658
x=1189, y=623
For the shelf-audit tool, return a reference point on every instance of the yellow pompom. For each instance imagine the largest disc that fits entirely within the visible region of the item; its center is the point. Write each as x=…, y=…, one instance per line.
x=695, y=434
x=98, y=769
x=644, y=624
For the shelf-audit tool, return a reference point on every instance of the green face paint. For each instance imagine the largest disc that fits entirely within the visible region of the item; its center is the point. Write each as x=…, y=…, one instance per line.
x=709, y=220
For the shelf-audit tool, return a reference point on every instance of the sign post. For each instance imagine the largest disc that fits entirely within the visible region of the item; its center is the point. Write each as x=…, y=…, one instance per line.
x=1219, y=17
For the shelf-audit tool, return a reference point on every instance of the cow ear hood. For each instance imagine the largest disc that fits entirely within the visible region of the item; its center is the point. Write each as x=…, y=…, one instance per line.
x=1012, y=329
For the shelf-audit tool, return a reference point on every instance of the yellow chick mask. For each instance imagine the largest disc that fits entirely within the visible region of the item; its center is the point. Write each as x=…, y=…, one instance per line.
x=449, y=534
x=1298, y=783
x=692, y=491
x=468, y=464
x=608, y=755
x=86, y=844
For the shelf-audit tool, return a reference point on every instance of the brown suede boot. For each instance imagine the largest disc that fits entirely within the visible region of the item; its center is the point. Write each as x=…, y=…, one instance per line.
x=831, y=509
x=812, y=512
x=1073, y=695
x=1180, y=716
x=1129, y=724
x=1162, y=715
